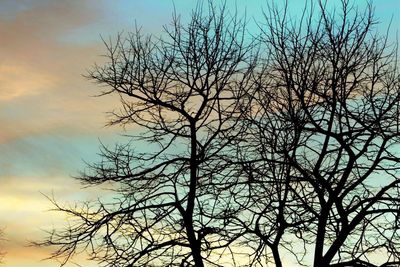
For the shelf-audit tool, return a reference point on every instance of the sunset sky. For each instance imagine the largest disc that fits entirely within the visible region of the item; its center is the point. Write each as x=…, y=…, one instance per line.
x=49, y=121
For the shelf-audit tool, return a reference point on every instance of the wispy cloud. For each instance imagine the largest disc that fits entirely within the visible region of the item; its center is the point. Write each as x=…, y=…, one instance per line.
x=48, y=121
x=26, y=214
x=46, y=116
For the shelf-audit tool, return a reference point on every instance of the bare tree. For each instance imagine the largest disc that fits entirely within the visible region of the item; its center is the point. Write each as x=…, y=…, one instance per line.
x=323, y=149
x=242, y=161
x=181, y=89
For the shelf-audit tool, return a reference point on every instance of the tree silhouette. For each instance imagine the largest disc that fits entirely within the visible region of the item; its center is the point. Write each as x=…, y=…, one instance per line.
x=251, y=147
x=182, y=89
x=323, y=144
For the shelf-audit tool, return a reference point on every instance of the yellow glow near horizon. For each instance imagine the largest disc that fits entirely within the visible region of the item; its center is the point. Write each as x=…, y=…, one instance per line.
x=46, y=114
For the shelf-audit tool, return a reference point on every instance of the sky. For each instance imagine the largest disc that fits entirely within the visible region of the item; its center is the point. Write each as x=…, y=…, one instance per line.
x=51, y=121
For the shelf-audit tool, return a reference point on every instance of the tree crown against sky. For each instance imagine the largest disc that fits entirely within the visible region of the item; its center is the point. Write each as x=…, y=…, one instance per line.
x=264, y=143
x=326, y=133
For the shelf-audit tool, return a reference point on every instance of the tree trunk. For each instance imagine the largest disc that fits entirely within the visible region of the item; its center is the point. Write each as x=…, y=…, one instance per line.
x=195, y=244
x=277, y=257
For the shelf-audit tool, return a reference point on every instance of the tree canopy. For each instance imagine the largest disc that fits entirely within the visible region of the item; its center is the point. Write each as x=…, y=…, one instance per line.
x=262, y=145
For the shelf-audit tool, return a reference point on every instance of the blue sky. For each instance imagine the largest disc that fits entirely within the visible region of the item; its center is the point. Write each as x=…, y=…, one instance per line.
x=49, y=120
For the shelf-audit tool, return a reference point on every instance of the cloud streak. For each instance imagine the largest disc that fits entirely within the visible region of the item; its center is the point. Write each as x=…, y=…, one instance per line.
x=48, y=121
x=46, y=116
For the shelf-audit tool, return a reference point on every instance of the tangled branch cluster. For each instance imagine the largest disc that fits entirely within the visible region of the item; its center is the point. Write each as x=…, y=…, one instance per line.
x=284, y=144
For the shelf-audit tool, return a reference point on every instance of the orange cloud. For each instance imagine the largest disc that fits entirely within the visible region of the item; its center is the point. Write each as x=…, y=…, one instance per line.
x=42, y=90
x=30, y=83
x=33, y=53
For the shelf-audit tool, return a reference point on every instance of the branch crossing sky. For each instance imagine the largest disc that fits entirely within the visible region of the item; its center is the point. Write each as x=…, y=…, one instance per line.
x=50, y=122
